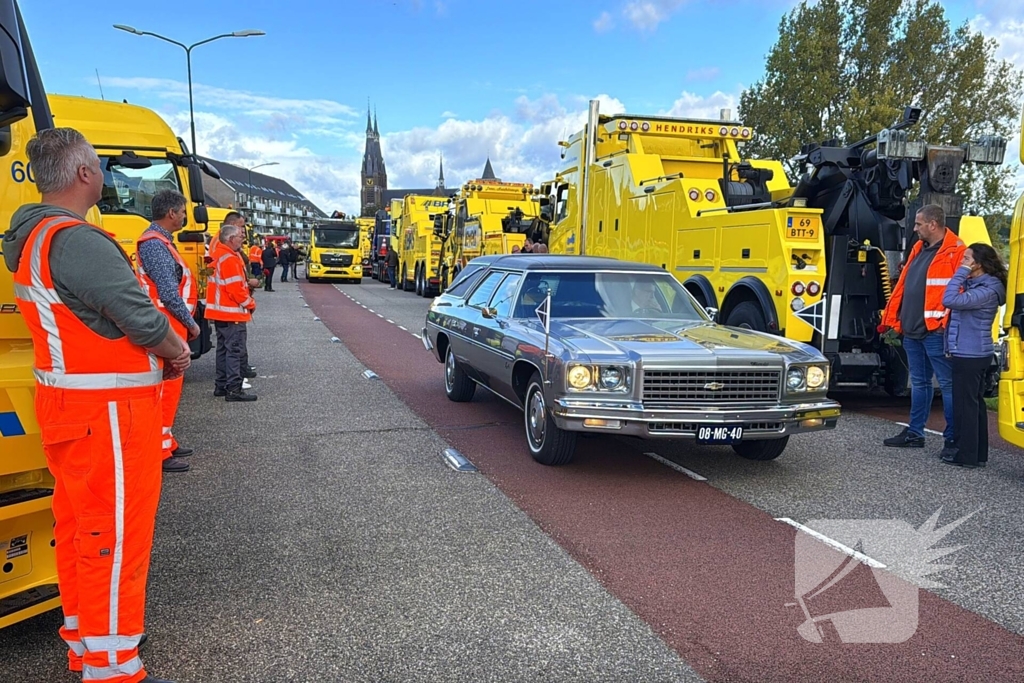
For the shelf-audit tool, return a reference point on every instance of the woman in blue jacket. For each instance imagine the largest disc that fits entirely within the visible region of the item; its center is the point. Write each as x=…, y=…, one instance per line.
x=973, y=296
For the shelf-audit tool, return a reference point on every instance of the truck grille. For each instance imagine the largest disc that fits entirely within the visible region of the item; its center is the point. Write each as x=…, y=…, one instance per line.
x=695, y=388
x=336, y=259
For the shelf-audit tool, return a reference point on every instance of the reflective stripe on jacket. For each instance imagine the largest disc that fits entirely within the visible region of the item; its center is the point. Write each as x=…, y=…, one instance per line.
x=255, y=254
x=186, y=287
x=942, y=267
x=227, y=289
x=68, y=354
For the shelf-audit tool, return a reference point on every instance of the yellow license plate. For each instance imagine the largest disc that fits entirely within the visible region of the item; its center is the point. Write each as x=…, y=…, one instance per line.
x=803, y=228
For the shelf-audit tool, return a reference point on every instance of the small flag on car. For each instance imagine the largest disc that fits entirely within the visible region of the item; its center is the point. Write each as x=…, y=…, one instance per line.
x=544, y=313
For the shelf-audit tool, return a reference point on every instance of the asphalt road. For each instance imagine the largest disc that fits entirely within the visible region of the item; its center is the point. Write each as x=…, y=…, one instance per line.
x=320, y=537
x=967, y=627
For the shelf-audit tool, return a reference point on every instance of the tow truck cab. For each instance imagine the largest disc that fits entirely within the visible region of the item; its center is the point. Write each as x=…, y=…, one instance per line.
x=335, y=251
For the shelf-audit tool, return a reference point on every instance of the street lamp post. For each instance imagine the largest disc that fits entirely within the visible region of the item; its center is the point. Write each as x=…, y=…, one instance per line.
x=250, y=169
x=188, y=58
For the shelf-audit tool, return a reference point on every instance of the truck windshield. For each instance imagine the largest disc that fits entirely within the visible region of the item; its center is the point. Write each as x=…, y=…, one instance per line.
x=337, y=238
x=131, y=190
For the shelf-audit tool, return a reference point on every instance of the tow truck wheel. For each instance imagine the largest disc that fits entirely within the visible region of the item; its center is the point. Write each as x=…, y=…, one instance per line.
x=747, y=315
x=457, y=384
x=419, y=281
x=766, y=449
x=549, y=445
x=405, y=278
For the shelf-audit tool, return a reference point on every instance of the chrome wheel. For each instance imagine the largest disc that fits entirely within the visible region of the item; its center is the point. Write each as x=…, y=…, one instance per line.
x=536, y=419
x=449, y=371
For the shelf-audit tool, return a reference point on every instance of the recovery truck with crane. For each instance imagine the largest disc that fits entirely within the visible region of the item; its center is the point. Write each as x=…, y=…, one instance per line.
x=365, y=239
x=1011, y=349
x=419, y=247
x=487, y=216
x=814, y=263
x=334, y=251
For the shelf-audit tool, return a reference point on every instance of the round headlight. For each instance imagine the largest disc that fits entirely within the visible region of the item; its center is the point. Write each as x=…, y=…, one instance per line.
x=815, y=377
x=579, y=377
x=610, y=378
x=795, y=379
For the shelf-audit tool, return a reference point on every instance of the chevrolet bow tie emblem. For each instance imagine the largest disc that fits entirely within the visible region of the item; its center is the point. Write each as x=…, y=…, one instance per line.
x=714, y=386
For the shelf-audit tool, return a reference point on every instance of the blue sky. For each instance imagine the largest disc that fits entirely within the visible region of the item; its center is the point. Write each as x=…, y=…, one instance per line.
x=464, y=78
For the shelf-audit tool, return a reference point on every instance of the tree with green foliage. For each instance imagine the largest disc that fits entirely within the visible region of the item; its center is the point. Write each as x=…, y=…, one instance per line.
x=845, y=69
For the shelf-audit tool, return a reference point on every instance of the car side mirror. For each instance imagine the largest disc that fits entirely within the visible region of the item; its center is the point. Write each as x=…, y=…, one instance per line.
x=712, y=313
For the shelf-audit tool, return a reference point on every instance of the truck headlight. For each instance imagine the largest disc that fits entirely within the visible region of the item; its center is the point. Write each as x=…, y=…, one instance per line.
x=579, y=377
x=611, y=377
x=816, y=377
x=795, y=379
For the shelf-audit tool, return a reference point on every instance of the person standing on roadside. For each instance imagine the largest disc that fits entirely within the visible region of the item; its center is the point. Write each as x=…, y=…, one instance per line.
x=915, y=309
x=973, y=296
x=269, y=263
x=230, y=306
x=164, y=275
x=296, y=256
x=248, y=371
x=392, y=266
x=255, y=256
x=101, y=353
x=284, y=259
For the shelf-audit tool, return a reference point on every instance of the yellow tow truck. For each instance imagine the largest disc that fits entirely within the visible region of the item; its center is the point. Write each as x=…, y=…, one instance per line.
x=488, y=217
x=419, y=247
x=1011, y=350
x=366, y=226
x=334, y=251
x=815, y=263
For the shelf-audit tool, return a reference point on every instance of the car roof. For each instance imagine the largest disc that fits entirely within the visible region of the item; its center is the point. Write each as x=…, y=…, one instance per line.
x=540, y=262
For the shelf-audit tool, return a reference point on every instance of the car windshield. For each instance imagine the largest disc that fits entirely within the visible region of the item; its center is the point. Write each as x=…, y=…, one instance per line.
x=607, y=295
x=337, y=238
x=131, y=190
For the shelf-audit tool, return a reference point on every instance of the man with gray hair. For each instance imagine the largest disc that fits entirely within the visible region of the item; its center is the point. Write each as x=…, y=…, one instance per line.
x=98, y=341
x=168, y=281
x=229, y=304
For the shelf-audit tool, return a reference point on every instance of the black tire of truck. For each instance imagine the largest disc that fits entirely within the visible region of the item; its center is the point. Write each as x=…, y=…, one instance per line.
x=748, y=315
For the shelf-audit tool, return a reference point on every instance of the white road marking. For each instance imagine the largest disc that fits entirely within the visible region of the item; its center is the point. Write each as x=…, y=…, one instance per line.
x=364, y=306
x=403, y=328
x=391, y=321
x=679, y=468
x=379, y=315
x=845, y=549
x=929, y=431
x=416, y=335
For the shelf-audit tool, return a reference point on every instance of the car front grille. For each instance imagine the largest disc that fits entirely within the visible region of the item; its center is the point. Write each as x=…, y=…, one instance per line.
x=696, y=388
x=341, y=260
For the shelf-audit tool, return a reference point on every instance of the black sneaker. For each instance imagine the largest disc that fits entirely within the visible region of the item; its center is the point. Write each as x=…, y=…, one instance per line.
x=182, y=451
x=948, y=449
x=239, y=395
x=905, y=439
x=249, y=373
x=151, y=679
x=173, y=464
x=220, y=392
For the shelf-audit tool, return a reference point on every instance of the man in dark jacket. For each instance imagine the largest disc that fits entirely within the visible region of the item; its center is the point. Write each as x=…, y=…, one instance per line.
x=269, y=263
x=392, y=266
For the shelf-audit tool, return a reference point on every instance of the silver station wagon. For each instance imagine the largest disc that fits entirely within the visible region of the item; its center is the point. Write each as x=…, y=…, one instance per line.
x=584, y=344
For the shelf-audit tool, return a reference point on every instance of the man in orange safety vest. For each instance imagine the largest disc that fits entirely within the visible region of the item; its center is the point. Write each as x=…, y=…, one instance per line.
x=101, y=352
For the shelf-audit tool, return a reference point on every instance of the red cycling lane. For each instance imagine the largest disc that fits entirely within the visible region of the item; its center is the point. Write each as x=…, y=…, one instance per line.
x=712, y=575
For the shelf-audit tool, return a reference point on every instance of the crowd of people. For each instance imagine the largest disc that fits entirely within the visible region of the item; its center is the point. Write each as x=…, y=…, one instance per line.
x=944, y=306
x=264, y=260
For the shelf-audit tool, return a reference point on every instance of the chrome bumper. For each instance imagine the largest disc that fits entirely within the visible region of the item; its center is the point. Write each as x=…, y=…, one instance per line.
x=631, y=419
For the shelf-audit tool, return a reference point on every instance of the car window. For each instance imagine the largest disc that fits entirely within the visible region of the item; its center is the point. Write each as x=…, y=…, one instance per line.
x=465, y=280
x=606, y=295
x=504, y=296
x=482, y=294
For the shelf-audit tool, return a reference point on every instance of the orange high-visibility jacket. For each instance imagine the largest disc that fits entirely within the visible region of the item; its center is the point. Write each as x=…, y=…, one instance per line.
x=942, y=267
x=255, y=254
x=68, y=354
x=186, y=288
x=227, y=290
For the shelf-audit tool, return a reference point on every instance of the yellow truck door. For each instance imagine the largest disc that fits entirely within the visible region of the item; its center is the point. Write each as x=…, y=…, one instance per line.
x=1011, y=382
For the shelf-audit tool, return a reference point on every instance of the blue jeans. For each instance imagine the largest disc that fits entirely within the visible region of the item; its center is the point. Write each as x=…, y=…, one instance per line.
x=391, y=276
x=927, y=357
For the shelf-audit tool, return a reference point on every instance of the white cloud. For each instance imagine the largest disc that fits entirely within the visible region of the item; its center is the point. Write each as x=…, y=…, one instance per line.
x=449, y=115
x=707, y=73
x=1008, y=31
x=645, y=15
x=690, y=105
x=604, y=23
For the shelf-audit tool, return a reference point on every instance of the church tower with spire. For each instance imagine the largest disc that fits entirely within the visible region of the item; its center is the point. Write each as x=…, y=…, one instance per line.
x=439, y=188
x=374, y=176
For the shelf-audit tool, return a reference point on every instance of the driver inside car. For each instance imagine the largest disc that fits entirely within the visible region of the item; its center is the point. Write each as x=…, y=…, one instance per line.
x=645, y=302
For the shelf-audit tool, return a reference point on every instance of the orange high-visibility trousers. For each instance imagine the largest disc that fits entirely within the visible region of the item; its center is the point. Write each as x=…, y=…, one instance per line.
x=103, y=449
x=168, y=409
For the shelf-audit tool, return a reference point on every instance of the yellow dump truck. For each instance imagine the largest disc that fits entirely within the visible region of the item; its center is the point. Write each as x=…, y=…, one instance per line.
x=487, y=217
x=419, y=247
x=1011, y=384
x=815, y=263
